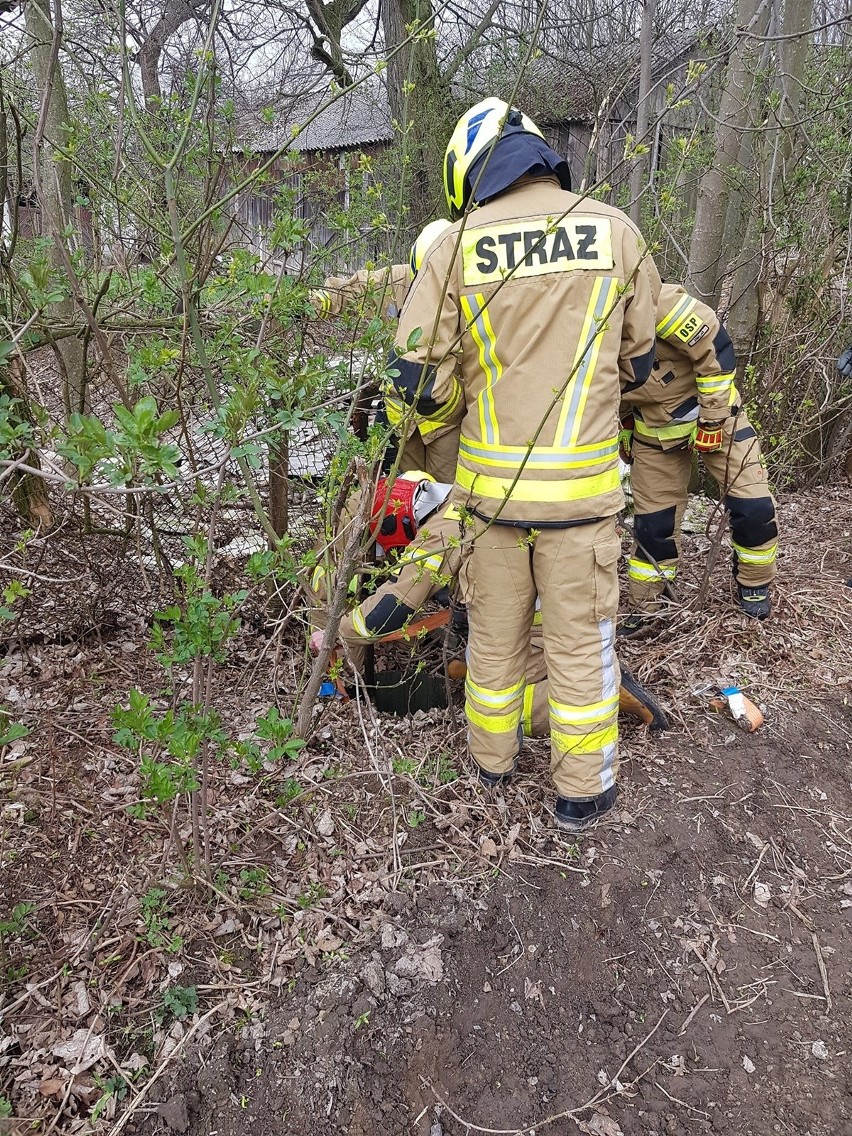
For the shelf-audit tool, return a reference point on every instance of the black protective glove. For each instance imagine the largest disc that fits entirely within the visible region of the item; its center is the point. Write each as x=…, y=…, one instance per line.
x=844, y=363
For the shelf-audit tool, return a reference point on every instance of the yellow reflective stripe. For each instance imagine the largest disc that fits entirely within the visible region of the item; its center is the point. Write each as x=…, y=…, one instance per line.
x=479, y=325
x=428, y=423
x=358, y=624
x=574, y=489
x=539, y=457
x=710, y=385
x=323, y=298
x=529, y=697
x=582, y=715
x=584, y=743
x=663, y=433
x=641, y=570
x=756, y=555
x=431, y=563
x=394, y=410
x=486, y=696
x=493, y=723
x=582, y=372
x=452, y=514
x=668, y=325
x=537, y=618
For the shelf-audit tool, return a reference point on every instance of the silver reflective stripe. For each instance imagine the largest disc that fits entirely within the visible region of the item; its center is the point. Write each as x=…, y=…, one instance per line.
x=579, y=380
x=609, y=687
x=555, y=456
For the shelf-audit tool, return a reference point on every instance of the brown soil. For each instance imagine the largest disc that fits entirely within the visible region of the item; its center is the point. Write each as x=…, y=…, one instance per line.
x=722, y=889
x=384, y=948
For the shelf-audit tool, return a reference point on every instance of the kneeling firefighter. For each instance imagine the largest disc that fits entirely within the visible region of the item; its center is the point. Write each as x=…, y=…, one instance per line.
x=416, y=529
x=538, y=303
x=422, y=441
x=690, y=404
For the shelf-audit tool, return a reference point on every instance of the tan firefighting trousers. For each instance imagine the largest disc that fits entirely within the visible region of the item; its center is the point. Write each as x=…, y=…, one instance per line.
x=436, y=456
x=660, y=480
x=573, y=571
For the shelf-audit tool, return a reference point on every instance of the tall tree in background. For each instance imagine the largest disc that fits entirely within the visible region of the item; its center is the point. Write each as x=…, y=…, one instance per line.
x=420, y=104
x=708, y=256
x=53, y=175
x=638, y=174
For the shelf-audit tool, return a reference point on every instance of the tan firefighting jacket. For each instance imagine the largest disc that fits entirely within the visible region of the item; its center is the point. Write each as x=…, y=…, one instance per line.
x=429, y=563
x=693, y=375
x=543, y=304
x=381, y=289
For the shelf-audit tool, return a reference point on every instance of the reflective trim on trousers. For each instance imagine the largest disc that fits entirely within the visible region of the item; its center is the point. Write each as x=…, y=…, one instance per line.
x=586, y=743
x=525, y=489
x=488, y=696
x=642, y=571
x=529, y=697
x=583, y=715
x=493, y=723
x=756, y=555
x=609, y=688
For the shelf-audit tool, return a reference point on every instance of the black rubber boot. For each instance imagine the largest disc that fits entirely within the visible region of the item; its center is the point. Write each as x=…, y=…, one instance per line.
x=634, y=623
x=577, y=816
x=755, y=601
x=493, y=780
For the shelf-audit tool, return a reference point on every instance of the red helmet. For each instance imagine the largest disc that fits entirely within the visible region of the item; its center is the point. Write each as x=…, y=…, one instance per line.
x=392, y=521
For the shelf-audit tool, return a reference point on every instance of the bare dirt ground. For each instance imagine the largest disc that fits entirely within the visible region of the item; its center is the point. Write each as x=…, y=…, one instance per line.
x=386, y=949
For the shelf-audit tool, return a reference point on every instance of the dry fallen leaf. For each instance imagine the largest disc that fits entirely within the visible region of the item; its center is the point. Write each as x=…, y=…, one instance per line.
x=81, y=1050
x=325, y=824
x=762, y=894
x=51, y=1087
x=326, y=941
x=488, y=848
x=599, y=1124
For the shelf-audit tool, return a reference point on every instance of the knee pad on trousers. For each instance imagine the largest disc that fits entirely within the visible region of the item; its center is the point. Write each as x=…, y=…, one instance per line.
x=655, y=533
x=752, y=520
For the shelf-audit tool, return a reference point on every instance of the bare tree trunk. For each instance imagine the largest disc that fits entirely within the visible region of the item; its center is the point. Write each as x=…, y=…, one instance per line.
x=640, y=169
x=54, y=179
x=174, y=15
x=279, y=472
x=28, y=490
x=774, y=151
x=707, y=255
x=420, y=102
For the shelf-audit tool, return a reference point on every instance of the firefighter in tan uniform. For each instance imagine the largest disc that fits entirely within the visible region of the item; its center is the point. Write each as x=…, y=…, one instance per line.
x=539, y=305
x=690, y=403
x=414, y=521
x=430, y=443
x=416, y=530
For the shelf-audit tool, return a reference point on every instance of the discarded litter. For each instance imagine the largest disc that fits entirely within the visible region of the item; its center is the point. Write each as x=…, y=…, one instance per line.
x=743, y=711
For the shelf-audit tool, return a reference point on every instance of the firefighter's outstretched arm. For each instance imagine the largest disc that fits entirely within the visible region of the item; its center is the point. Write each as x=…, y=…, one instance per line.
x=424, y=362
